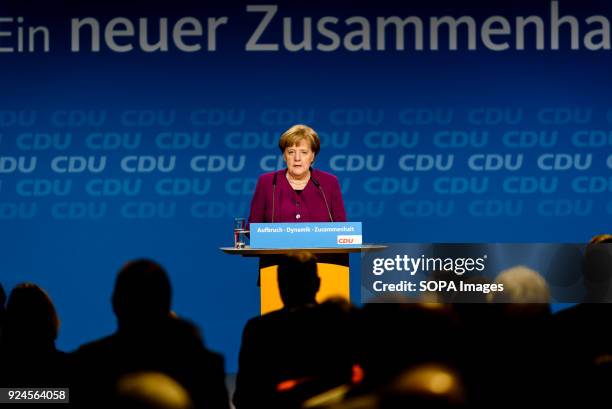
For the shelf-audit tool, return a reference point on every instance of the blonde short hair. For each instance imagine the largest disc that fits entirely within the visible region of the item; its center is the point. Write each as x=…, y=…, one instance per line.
x=601, y=238
x=297, y=133
x=521, y=285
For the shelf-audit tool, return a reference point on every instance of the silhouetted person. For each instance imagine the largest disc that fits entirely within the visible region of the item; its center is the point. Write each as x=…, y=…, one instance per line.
x=588, y=325
x=298, y=281
x=2, y=298
x=396, y=333
x=564, y=273
x=149, y=338
x=299, y=350
x=597, y=271
x=150, y=390
x=2, y=310
x=520, y=342
x=479, y=339
x=28, y=355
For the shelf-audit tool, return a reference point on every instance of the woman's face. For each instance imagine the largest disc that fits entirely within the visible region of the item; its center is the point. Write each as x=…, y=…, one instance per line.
x=299, y=158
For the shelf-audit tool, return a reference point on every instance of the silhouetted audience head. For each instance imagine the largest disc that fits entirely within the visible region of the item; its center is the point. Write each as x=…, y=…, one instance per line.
x=298, y=280
x=525, y=295
x=425, y=386
x=151, y=390
x=2, y=297
x=601, y=238
x=521, y=285
x=564, y=272
x=597, y=269
x=31, y=318
x=598, y=380
x=2, y=310
x=142, y=293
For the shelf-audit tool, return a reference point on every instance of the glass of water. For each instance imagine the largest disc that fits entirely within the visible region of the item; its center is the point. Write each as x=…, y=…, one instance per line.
x=241, y=234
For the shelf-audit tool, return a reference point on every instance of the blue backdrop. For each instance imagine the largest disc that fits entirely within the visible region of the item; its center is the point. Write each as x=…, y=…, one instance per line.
x=106, y=155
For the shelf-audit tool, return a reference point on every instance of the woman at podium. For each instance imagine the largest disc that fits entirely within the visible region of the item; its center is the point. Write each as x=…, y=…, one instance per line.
x=298, y=193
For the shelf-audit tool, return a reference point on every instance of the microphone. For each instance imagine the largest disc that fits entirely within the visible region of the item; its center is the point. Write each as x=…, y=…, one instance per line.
x=273, y=193
x=318, y=185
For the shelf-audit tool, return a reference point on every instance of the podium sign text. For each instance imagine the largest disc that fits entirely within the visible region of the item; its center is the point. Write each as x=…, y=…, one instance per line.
x=305, y=235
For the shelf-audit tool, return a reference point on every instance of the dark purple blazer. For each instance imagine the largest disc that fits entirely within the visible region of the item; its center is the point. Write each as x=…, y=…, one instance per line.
x=289, y=207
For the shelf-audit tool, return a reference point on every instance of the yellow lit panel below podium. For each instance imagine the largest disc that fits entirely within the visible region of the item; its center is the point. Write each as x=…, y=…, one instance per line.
x=335, y=282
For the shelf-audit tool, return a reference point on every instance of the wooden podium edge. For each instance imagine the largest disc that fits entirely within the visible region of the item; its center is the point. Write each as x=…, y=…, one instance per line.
x=249, y=252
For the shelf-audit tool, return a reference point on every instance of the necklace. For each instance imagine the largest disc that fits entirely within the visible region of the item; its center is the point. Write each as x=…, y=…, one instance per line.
x=297, y=183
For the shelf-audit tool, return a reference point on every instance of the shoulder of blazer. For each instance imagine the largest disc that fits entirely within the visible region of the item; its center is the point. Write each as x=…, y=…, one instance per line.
x=323, y=177
x=267, y=178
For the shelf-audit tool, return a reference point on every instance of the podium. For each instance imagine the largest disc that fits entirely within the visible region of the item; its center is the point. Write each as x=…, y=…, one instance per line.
x=332, y=267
